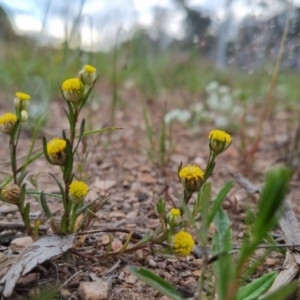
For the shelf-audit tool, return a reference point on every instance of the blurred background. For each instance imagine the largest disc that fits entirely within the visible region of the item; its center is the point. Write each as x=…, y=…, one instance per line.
x=222, y=48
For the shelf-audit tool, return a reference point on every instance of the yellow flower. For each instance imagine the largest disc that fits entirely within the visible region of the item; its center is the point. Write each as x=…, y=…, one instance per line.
x=175, y=212
x=72, y=90
x=88, y=74
x=21, y=100
x=219, y=141
x=11, y=193
x=7, y=122
x=173, y=217
x=89, y=69
x=183, y=243
x=56, y=151
x=78, y=191
x=192, y=177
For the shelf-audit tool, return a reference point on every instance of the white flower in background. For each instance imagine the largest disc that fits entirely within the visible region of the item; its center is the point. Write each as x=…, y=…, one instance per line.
x=221, y=121
x=198, y=107
x=224, y=89
x=213, y=101
x=211, y=87
x=226, y=102
x=177, y=114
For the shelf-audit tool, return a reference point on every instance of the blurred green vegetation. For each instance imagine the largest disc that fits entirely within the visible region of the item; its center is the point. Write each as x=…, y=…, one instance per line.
x=38, y=70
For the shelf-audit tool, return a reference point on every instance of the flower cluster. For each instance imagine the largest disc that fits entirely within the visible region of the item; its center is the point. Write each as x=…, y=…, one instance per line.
x=173, y=217
x=8, y=120
x=78, y=191
x=75, y=90
x=192, y=177
x=183, y=243
x=56, y=150
x=61, y=150
x=219, y=141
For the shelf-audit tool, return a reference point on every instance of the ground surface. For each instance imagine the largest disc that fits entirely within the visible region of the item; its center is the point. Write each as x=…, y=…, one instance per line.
x=122, y=170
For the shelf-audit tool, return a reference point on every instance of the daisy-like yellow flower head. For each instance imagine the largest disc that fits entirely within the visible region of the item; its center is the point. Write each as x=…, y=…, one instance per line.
x=173, y=217
x=183, y=243
x=88, y=75
x=73, y=90
x=11, y=193
x=192, y=177
x=175, y=212
x=56, y=150
x=219, y=141
x=7, y=122
x=21, y=100
x=78, y=191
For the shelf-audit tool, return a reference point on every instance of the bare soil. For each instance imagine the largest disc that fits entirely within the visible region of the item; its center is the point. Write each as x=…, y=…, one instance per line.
x=119, y=167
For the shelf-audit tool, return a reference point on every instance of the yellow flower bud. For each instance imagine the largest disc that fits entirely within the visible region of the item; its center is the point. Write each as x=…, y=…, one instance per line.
x=192, y=178
x=7, y=122
x=88, y=75
x=219, y=141
x=56, y=150
x=21, y=100
x=73, y=90
x=24, y=116
x=173, y=217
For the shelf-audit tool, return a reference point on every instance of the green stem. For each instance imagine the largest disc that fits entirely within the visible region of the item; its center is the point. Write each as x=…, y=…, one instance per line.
x=12, y=148
x=73, y=127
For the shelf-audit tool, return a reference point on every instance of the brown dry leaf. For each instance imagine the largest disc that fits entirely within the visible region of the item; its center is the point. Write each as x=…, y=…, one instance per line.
x=43, y=249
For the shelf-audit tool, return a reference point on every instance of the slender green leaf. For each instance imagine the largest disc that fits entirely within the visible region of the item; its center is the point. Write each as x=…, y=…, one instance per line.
x=21, y=178
x=26, y=215
x=64, y=135
x=22, y=197
x=71, y=115
x=222, y=224
x=219, y=199
x=257, y=287
x=46, y=152
x=62, y=191
x=156, y=282
x=63, y=227
x=44, y=205
x=271, y=199
x=283, y=292
x=224, y=266
x=205, y=197
x=87, y=95
x=81, y=132
x=86, y=133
